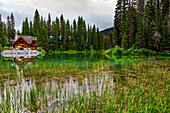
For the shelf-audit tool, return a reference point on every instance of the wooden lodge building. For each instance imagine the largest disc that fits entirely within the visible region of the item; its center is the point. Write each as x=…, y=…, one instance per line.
x=22, y=42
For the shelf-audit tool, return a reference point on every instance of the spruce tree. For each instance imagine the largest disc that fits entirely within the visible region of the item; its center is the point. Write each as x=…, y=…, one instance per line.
x=151, y=40
x=1, y=33
x=57, y=39
x=49, y=25
x=67, y=35
x=62, y=30
x=165, y=39
x=27, y=30
x=37, y=28
x=74, y=34
x=110, y=39
x=45, y=38
x=31, y=31
x=12, y=25
x=9, y=29
x=140, y=33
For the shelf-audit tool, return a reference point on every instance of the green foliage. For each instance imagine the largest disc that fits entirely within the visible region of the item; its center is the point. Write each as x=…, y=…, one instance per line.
x=117, y=50
x=5, y=48
x=50, y=51
x=33, y=100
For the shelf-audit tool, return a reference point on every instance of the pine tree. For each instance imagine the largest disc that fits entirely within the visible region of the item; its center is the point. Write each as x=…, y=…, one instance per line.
x=45, y=38
x=165, y=39
x=9, y=29
x=84, y=35
x=1, y=33
x=110, y=39
x=94, y=38
x=74, y=34
x=117, y=22
x=165, y=7
x=99, y=38
x=49, y=25
x=151, y=31
x=27, y=30
x=57, y=39
x=31, y=31
x=140, y=33
x=62, y=29
x=67, y=35
x=79, y=34
x=89, y=37
x=12, y=26
x=37, y=28
x=125, y=40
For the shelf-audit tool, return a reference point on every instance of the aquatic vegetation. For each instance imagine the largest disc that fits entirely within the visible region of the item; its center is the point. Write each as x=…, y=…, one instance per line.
x=140, y=85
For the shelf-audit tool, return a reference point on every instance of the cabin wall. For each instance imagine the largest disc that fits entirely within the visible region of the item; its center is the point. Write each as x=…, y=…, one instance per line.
x=21, y=41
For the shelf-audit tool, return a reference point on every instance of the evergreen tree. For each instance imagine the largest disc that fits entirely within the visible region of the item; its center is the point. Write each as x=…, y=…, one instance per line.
x=165, y=8
x=110, y=39
x=37, y=28
x=79, y=34
x=31, y=31
x=49, y=25
x=89, y=43
x=84, y=35
x=1, y=33
x=45, y=38
x=57, y=39
x=62, y=30
x=74, y=34
x=140, y=33
x=27, y=30
x=151, y=31
x=100, y=39
x=9, y=29
x=94, y=38
x=165, y=39
x=67, y=35
x=12, y=26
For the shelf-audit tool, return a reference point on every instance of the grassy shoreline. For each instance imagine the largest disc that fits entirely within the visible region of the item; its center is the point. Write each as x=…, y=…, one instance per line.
x=141, y=87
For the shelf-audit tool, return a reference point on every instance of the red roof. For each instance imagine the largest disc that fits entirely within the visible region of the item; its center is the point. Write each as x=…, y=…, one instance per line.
x=27, y=39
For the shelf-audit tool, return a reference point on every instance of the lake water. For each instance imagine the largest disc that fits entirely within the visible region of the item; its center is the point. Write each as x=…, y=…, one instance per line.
x=57, y=76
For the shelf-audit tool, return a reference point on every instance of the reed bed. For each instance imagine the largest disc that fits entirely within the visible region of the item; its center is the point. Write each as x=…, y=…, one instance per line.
x=140, y=87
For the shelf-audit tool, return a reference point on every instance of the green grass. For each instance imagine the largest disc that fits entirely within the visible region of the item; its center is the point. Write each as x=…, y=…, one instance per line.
x=141, y=87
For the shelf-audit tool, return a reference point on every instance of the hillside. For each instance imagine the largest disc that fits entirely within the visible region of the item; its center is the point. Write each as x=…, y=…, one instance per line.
x=106, y=31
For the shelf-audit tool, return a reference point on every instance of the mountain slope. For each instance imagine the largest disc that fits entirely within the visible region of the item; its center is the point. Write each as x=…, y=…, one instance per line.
x=106, y=31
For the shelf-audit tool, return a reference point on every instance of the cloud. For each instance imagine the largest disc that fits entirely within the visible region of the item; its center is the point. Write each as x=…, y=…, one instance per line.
x=98, y=12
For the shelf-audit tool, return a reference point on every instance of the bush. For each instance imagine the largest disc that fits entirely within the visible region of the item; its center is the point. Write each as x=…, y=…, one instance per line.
x=165, y=53
x=6, y=48
x=117, y=50
x=50, y=51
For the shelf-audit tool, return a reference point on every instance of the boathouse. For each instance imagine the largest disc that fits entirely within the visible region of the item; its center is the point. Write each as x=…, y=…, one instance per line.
x=22, y=42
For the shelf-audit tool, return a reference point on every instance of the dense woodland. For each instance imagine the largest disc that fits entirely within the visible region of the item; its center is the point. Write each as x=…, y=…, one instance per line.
x=143, y=23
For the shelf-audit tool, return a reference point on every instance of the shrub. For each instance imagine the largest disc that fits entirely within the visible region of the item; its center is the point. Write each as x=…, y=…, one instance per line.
x=50, y=51
x=117, y=50
x=6, y=48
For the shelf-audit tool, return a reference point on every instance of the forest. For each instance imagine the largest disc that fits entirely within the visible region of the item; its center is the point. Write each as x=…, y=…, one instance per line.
x=141, y=24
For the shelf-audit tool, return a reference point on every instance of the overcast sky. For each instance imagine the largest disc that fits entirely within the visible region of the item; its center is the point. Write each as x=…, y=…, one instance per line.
x=98, y=12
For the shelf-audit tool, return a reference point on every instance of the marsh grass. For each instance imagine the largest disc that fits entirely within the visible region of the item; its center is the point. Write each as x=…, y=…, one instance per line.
x=141, y=87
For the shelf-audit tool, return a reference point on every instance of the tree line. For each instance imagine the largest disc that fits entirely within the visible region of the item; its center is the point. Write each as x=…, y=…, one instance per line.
x=60, y=34
x=143, y=23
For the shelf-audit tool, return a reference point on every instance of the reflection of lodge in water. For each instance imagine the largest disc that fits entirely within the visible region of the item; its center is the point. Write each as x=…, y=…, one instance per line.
x=21, y=63
x=24, y=62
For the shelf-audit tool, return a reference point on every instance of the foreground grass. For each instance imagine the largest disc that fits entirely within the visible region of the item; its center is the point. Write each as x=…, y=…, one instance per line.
x=141, y=87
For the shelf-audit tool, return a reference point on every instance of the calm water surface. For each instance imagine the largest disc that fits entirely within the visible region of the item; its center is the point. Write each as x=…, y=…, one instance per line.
x=14, y=90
